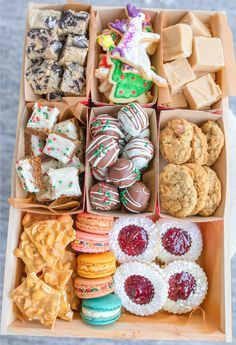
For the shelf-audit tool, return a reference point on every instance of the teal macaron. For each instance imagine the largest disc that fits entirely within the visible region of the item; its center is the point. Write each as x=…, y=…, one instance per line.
x=102, y=310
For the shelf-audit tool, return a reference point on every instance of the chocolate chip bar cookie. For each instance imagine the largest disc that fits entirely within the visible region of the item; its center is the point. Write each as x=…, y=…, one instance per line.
x=73, y=82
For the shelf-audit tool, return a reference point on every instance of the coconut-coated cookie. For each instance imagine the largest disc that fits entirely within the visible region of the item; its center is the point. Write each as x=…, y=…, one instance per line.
x=199, y=146
x=215, y=140
x=178, y=195
x=201, y=183
x=214, y=194
x=175, y=141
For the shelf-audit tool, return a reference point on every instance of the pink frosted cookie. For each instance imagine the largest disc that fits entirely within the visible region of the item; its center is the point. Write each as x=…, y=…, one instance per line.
x=179, y=240
x=134, y=239
x=86, y=242
x=187, y=286
x=142, y=288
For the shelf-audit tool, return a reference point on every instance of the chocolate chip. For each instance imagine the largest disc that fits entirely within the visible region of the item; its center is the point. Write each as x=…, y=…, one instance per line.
x=57, y=46
x=80, y=42
x=51, y=22
x=57, y=69
x=77, y=84
x=67, y=19
x=82, y=15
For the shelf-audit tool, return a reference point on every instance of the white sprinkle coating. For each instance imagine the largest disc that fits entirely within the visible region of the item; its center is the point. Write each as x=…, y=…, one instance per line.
x=197, y=296
x=153, y=273
x=196, y=240
x=149, y=253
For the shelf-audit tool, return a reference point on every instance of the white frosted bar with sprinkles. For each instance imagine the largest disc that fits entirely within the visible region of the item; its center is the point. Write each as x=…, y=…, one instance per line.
x=60, y=147
x=67, y=128
x=64, y=182
x=43, y=118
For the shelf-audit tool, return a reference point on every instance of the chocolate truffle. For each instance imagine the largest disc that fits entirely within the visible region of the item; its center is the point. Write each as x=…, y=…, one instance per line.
x=133, y=119
x=136, y=197
x=104, y=196
x=140, y=151
x=123, y=173
x=99, y=174
x=187, y=286
x=106, y=124
x=102, y=151
x=145, y=134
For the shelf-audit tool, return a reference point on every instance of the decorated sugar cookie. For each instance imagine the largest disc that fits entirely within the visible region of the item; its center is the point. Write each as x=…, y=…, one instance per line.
x=132, y=49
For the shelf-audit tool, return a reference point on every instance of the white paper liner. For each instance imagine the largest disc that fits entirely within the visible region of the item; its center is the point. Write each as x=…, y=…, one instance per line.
x=196, y=240
x=153, y=273
x=149, y=253
x=196, y=297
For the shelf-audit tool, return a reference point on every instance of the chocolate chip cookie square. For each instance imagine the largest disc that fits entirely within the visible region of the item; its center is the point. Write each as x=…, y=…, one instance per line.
x=73, y=23
x=73, y=81
x=44, y=19
x=44, y=77
x=75, y=50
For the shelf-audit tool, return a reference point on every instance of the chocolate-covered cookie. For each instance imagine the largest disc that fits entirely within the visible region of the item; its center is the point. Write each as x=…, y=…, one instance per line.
x=123, y=173
x=133, y=119
x=104, y=196
x=136, y=197
x=140, y=151
x=106, y=124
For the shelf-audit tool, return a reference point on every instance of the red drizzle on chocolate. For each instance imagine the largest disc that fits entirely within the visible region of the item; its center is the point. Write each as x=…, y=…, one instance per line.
x=139, y=289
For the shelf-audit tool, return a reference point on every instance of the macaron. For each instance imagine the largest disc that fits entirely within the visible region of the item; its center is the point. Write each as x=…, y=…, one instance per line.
x=90, y=243
x=93, y=223
x=96, y=265
x=101, y=311
x=93, y=288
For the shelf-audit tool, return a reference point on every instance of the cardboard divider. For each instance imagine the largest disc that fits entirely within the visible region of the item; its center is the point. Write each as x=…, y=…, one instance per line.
x=30, y=96
x=103, y=17
x=149, y=177
x=226, y=77
x=20, y=198
x=220, y=167
x=161, y=325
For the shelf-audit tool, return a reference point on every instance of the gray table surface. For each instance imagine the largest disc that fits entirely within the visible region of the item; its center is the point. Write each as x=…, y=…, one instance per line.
x=12, y=23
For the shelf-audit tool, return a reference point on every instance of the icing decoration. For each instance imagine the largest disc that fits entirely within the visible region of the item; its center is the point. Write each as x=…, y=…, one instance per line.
x=140, y=151
x=67, y=128
x=107, y=39
x=64, y=182
x=60, y=147
x=37, y=145
x=132, y=49
x=43, y=117
x=104, y=196
x=106, y=124
x=133, y=118
x=25, y=172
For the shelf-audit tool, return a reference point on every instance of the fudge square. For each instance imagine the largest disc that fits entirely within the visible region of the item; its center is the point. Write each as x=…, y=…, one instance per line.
x=30, y=174
x=42, y=120
x=177, y=41
x=198, y=27
x=208, y=55
x=202, y=93
x=60, y=147
x=64, y=182
x=75, y=50
x=178, y=73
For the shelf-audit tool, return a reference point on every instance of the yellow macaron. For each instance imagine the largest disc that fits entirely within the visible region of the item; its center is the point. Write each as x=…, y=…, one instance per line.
x=96, y=265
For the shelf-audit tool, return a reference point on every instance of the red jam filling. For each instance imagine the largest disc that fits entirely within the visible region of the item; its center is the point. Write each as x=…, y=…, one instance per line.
x=176, y=241
x=180, y=286
x=133, y=240
x=139, y=289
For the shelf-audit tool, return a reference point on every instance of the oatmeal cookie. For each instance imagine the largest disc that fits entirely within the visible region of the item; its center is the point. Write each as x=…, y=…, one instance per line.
x=175, y=141
x=214, y=194
x=178, y=195
x=199, y=146
x=215, y=140
x=201, y=183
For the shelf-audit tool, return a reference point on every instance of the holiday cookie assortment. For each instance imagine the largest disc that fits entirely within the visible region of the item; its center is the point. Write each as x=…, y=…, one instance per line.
x=123, y=248
x=57, y=46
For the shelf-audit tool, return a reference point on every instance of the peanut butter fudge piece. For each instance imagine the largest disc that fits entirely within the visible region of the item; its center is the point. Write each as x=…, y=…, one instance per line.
x=68, y=128
x=30, y=174
x=198, y=27
x=75, y=50
x=42, y=120
x=44, y=77
x=60, y=147
x=37, y=300
x=73, y=81
x=202, y=93
x=178, y=101
x=178, y=73
x=64, y=182
x=75, y=23
x=202, y=74
x=33, y=145
x=208, y=55
x=44, y=19
x=42, y=43
x=177, y=42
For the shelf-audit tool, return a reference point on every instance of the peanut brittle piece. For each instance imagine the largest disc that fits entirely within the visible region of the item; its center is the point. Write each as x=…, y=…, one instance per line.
x=71, y=295
x=30, y=218
x=37, y=300
x=65, y=311
x=51, y=237
x=56, y=278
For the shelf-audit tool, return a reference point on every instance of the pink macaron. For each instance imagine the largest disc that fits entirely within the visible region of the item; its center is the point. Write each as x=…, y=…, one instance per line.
x=90, y=243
